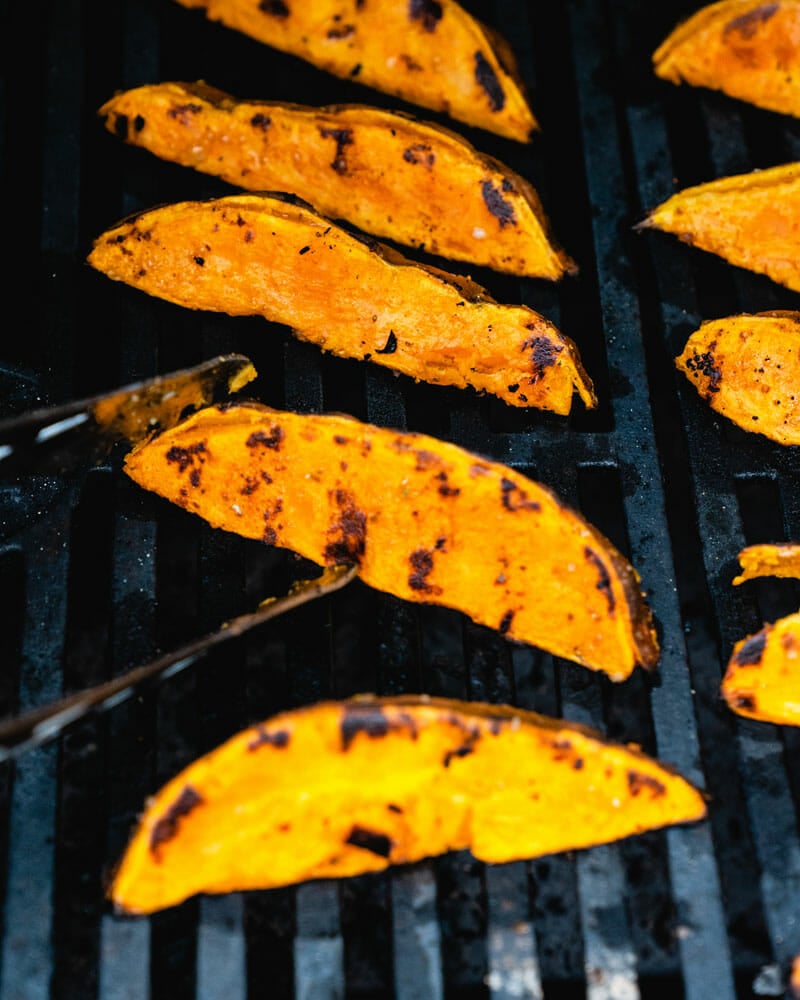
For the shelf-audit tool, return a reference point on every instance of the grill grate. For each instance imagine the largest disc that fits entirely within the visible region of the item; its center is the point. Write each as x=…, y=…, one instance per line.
x=100, y=577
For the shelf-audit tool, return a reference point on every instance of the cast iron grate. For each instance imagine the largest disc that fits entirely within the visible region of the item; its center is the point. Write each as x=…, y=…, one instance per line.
x=98, y=577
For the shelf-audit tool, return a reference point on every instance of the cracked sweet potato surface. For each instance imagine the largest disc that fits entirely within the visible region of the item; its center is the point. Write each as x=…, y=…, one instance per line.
x=432, y=53
x=748, y=49
x=341, y=788
x=385, y=172
x=274, y=256
x=750, y=220
x=423, y=519
x=747, y=368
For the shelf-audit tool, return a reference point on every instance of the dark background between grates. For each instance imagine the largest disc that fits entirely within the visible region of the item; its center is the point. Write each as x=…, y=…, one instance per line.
x=99, y=577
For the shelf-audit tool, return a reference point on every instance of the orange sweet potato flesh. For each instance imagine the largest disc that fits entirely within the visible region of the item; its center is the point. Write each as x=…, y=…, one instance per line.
x=750, y=220
x=424, y=520
x=387, y=173
x=747, y=368
x=432, y=53
x=762, y=677
x=274, y=256
x=341, y=788
x=748, y=49
x=781, y=559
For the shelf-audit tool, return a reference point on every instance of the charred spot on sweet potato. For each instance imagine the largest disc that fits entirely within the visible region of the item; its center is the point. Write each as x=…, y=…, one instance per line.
x=505, y=623
x=544, y=354
x=184, y=457
x=419, y=152
x=745, y=701
x=370, y=840
x=343, y=138
x=271, y=440
x=368, y=719
x=340, y=31
x=463, y=751
x=166, y=827
x=390, y=346
x=513, y=497
x=261, y=121
x=275, y=8
x=604, y=580
x=279, y=739
x=704, y=364
x=421, y=567
x=429, y=12
x=184, y=113
x=751, y=650
x=486, y=78
x=638, y=782
x=501, y=209
x=349, y=533
x=446, y=490
x=121, y=126
x=747, y=24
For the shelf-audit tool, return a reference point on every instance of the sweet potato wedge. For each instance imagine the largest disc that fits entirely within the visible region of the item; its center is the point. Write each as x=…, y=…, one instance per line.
x=432, y=53
x=781, y=559
x=762, y=678
x=750, y=220
x=341, y=788
x=747, y=368
x=424, y=519
x=274, y=256
x=387, y=173
x=748, y=49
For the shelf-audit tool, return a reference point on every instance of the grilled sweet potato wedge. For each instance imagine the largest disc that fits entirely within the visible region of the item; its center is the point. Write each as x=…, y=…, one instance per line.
x=428, y=52
x=386, y=172
x=341, y=788
x=750, y=220
x=423, y=519
x=762, y=679
x=748, y=49
x=274, y=256
x=747, y=368
x=781, y=559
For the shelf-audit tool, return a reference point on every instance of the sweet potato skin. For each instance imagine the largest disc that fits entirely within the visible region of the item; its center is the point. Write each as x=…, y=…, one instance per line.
x=748, y=49
x=388, y=173
x=424, y=519
x=341, y=788
x=750, y=220
x=747, y=368
x=435, y=55
x=274, y=256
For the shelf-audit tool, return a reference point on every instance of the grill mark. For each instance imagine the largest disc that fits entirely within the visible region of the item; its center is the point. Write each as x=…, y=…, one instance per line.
x=370, y=840
x=748, y=24
x=279, y=739
x=604, y=580
x=486, y=78
x=343, y=138
x=349, y=534
x=428, y=12
x=752, y=650
x=167, y=826
x=501, y=209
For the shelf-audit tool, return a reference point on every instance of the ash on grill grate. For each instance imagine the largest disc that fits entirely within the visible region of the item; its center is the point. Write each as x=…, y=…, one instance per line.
x=99, y=577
